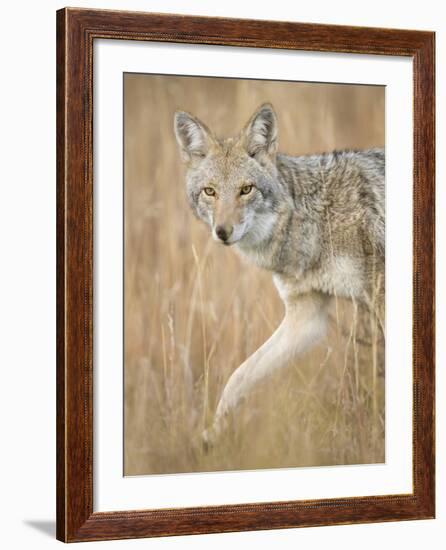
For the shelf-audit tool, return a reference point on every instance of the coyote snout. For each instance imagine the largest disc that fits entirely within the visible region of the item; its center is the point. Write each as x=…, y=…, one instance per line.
x=223, y=233
x=315, y=222
x=227, y=217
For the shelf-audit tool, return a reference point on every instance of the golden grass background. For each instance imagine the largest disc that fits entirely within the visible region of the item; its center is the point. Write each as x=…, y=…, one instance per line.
x=192, y=305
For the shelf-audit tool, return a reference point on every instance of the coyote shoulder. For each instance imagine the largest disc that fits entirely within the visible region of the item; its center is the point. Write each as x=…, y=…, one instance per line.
x=316, y=222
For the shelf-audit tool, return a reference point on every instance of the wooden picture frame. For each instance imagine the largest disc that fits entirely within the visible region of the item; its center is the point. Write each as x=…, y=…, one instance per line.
x=76, y=31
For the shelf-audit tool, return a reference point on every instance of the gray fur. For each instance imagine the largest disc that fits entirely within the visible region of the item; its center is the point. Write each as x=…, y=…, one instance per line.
x=327, y=206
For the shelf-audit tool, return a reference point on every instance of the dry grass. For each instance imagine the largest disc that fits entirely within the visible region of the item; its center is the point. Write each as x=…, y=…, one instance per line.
x=194, y=311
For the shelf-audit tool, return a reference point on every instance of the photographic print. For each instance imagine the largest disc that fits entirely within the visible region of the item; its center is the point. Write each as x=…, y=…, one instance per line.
x=254, y=231
x=245, y=275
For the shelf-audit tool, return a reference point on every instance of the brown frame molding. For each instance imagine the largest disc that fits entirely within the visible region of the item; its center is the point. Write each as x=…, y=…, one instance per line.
x=76, y=31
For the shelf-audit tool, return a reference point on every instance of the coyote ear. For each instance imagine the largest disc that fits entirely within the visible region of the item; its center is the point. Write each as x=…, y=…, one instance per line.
x=193, y=136
x=260, y=134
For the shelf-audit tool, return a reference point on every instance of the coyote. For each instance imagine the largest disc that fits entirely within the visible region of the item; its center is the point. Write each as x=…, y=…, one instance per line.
x=316, y=222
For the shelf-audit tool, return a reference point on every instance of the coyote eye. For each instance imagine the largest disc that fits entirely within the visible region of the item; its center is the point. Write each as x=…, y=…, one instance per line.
x=246, y=189
x=209, y=191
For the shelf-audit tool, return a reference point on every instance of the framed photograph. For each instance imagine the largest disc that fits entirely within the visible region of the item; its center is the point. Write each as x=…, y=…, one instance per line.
x=245, y=275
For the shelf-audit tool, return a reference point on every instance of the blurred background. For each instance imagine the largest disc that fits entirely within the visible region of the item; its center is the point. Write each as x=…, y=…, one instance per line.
x=193, y=309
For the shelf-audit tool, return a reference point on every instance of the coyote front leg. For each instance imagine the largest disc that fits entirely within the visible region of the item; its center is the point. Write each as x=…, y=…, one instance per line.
x=303, y=325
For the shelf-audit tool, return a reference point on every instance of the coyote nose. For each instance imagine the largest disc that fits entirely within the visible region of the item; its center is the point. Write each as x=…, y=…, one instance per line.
x=223, y=232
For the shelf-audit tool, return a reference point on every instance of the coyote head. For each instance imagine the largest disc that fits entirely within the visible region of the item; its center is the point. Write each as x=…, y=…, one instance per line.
x=232, y=184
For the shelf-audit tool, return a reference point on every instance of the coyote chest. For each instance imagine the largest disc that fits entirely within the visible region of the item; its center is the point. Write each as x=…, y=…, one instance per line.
x=342, y=277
